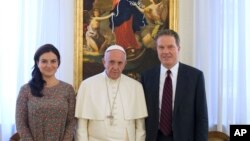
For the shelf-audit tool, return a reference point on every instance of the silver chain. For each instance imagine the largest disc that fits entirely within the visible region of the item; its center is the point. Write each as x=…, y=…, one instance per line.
x=110, y=116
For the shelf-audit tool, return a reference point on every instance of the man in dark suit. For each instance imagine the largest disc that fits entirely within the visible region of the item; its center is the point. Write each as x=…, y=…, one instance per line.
x=187, y=119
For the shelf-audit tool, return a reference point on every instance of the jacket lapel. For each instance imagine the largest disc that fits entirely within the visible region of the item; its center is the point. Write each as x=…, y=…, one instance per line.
x=180, y=87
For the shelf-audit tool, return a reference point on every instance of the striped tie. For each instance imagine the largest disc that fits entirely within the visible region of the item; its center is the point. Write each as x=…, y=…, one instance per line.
x=166, y=106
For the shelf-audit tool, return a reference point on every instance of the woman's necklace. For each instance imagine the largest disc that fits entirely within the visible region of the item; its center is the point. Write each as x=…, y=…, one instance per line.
x=111, y=116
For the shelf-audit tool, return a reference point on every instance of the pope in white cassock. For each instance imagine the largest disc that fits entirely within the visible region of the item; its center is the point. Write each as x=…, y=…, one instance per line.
x=110, y=106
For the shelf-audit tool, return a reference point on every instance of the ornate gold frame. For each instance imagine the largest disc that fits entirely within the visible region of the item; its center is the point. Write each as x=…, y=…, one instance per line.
x=78, y=35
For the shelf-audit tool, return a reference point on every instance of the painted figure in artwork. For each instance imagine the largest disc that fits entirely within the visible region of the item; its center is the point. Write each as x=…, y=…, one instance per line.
x=127, y=20
x=95, y=40
x=155, y=13
x=131, y=24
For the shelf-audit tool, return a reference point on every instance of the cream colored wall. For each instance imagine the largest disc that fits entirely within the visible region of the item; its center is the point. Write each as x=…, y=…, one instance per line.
x=186, y=30
x=66, y=47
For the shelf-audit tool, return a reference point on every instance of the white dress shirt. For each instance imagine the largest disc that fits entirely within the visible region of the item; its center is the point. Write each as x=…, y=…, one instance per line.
x=163, y=75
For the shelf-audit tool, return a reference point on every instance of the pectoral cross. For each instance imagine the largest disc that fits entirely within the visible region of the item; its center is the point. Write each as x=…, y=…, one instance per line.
x=111, y=118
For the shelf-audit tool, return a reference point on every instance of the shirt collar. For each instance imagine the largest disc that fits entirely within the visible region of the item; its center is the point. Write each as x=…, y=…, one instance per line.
x=111, y=80
x=174, y=69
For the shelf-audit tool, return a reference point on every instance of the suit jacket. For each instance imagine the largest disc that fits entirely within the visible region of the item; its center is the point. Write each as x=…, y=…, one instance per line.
x=190, y=118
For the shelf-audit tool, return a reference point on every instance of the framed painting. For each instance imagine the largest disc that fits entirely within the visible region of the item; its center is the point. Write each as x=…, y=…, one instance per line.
x=131, y=24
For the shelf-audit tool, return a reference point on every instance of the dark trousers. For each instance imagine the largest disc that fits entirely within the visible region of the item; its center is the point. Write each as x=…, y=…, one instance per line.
x=162, y=137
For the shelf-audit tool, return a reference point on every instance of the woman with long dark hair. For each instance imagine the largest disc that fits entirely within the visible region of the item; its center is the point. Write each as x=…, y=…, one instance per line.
x=45, y=106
